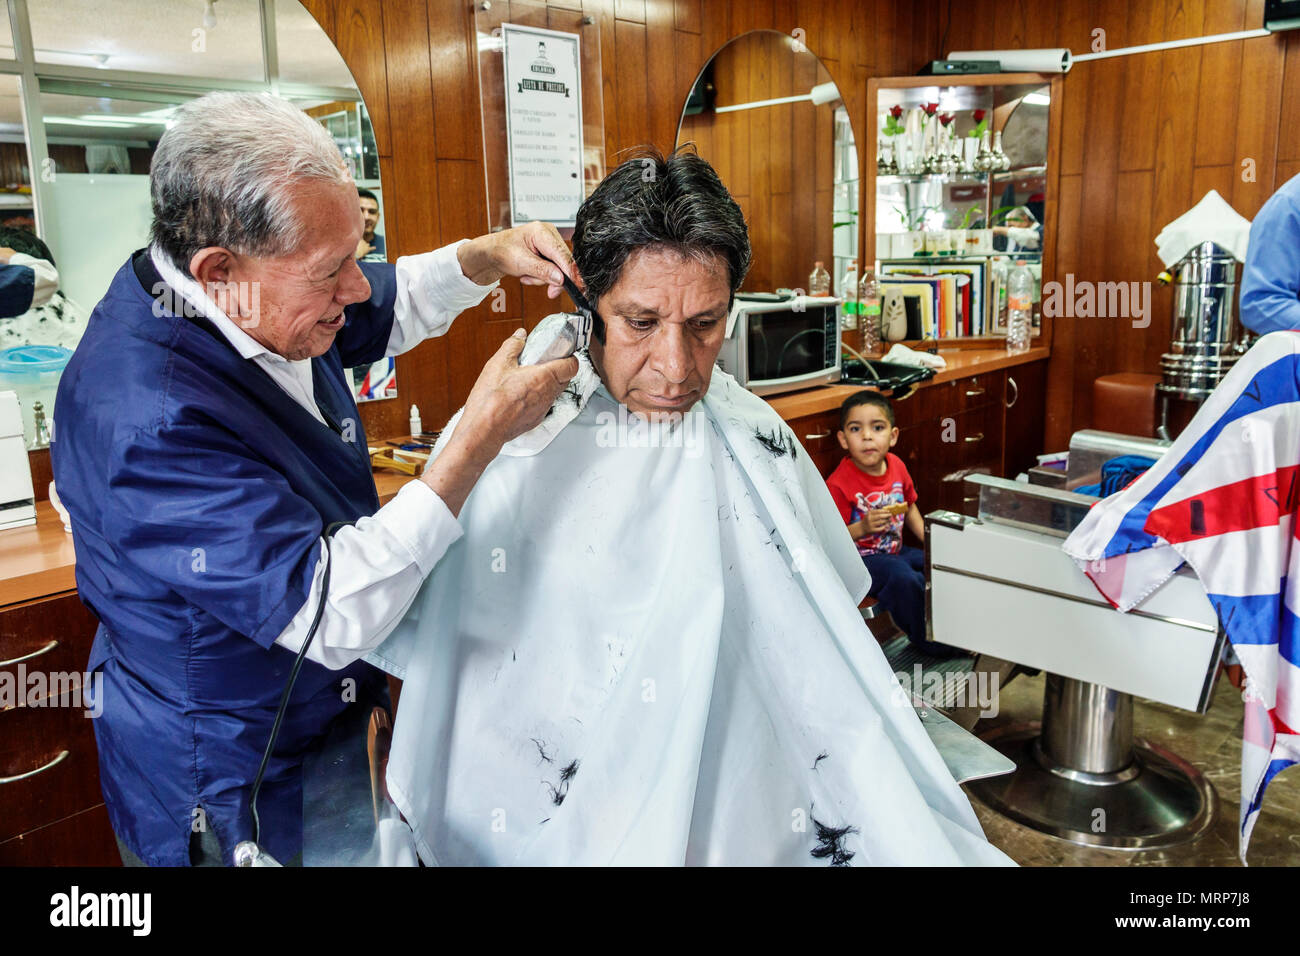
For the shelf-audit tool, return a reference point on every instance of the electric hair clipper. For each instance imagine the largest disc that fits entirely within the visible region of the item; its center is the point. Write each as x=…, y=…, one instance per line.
x=560, y=335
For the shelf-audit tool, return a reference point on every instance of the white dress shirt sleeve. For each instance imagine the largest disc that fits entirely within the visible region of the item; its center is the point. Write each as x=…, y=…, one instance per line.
x=377, y=566
x=46, y=281
x=431, y=291
x=379, y=563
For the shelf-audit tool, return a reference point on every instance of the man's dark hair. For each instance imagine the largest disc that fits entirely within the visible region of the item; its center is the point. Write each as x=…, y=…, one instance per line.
x=675, y=202
x=20, y=240
x=367, y=194
x=866, y=397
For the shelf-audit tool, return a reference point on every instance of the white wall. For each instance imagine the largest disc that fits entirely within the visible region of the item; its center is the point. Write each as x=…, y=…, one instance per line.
x=92, y=224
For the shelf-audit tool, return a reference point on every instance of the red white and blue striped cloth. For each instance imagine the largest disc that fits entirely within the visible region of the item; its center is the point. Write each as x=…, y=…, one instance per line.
x=1223, y=499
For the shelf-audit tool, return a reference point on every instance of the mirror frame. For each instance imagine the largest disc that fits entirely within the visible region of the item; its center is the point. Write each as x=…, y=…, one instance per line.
x=867, y=235
x=847, y=97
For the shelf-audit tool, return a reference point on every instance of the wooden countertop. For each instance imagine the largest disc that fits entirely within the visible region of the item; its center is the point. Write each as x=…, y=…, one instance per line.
x=36, y=561
x=962, y=363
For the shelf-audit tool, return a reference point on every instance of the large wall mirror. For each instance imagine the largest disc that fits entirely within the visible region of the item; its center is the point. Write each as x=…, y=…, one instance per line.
x=766, y=114
x=86, y=89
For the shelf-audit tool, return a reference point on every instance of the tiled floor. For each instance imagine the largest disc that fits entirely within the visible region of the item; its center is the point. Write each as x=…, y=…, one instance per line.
x=1211, y=742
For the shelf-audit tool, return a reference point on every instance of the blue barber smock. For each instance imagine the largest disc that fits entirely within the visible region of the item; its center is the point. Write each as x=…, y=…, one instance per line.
x=1270, y=281
x=201, y=490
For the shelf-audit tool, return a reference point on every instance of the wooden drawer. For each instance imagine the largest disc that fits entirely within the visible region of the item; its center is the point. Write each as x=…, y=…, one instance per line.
x=937, y=451
x=818, y=435
x=34, y=740
x=952, y=398
x=83, y=839
x=44, y=644
x=52, y=634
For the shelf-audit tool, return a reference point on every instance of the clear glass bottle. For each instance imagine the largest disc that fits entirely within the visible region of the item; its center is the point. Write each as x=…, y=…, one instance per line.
x=869, y=311
x=848, y=293
x=1020, y=306
x=819, y=282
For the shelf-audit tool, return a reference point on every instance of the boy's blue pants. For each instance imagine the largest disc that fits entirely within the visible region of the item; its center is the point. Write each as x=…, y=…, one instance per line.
x=898, y=583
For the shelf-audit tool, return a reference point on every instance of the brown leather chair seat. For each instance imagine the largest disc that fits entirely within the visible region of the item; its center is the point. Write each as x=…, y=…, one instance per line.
x=1125, y=402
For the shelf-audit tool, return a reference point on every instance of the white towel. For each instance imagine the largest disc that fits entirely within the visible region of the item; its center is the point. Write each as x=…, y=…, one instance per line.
x=1210, y=220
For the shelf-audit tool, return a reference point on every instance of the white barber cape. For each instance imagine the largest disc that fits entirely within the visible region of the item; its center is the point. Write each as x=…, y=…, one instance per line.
x=646, y=650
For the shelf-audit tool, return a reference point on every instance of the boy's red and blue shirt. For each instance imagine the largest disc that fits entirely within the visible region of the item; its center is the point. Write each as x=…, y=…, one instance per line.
x=855, y=493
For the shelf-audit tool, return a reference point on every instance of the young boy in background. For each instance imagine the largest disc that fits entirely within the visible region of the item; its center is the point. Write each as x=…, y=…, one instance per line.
x=876, y=498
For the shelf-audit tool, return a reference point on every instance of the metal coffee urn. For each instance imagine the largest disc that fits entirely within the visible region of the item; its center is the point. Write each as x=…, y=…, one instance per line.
x=1208, y=337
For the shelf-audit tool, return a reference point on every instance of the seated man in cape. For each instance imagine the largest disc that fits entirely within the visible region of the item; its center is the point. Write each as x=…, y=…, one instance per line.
x=646, y=647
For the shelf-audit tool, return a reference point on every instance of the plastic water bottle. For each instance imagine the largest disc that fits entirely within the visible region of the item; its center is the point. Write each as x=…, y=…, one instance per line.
x=848, y=293
x=819, y=283
x=869, y=311
x=1020, y=304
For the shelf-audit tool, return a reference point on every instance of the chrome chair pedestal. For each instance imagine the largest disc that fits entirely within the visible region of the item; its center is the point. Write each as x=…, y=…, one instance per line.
x=1082, y=776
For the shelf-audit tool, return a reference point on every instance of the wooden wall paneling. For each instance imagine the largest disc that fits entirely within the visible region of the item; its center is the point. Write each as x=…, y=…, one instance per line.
x=716, y=28
x=453, y=52
x=665, y=94
x=759, y=15
x=917, y=43
x=1219, y=83
x=926, y=37
x=875, y=48
x=761, y=87
x=602, y=13
x=477, y=332
x=687, y=65
x=1219, y=178
x=1139, y=114
x=630, y=10
x=687, y=15
x=1288, y=144
x=359, y=36
x=630, y=97
x=1065, y=330
x=1256, y=119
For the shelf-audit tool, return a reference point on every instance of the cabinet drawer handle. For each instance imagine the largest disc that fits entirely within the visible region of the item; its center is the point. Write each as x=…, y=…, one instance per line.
x=27, y=657
x=816, y=437
x=970, y=438
x=31, y=773
x=969, y=499
x=973, y=392
x=1015, y=391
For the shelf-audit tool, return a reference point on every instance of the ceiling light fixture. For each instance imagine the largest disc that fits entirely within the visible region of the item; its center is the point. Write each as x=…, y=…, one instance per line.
x=209, y=14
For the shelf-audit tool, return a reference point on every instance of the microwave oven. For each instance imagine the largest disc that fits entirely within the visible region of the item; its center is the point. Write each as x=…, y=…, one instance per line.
x=779, y=345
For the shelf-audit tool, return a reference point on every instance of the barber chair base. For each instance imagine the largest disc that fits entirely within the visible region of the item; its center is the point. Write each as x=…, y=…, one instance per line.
x=1158, y=800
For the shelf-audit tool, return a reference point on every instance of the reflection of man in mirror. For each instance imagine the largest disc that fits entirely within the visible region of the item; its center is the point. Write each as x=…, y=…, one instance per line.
x=1021, y=232
x=371, y=245
x=212, y=458
x=52, y=318
x=647, y=647
x=26, y=281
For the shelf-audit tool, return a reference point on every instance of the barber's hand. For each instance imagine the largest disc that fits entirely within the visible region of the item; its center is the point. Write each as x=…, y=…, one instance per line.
x=509, y=399
x=5, y=254
x=534, y=252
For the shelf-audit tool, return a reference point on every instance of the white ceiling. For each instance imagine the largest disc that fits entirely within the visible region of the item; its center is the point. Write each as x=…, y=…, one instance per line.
x=168, y=36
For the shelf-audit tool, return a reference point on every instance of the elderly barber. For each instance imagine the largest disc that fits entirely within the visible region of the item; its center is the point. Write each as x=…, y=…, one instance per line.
x=207, y=439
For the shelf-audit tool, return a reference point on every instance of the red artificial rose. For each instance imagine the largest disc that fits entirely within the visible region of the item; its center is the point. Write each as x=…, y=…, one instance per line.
x=896, y=112
x=979, y=116
x=945, y=118
x=930, y=108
